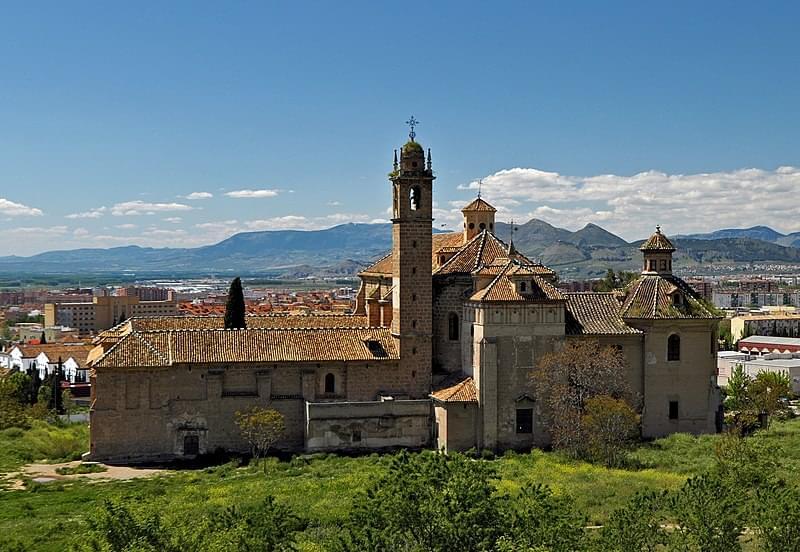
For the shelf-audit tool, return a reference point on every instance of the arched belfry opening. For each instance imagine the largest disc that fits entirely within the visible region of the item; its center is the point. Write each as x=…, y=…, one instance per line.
x=415, y=198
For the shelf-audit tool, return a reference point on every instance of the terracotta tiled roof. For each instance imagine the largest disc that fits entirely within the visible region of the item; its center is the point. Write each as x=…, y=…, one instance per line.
x=595, y=313
x=499, y=264
x=478, y=205
x=650, y=296
x=483, y=249
x=450, y=241
x=381, y=266
x=314, y=320
x=531, y=268
x=657, y=242
x=169, y=347
x=503, y=289
x=457, y=388
x=77, y=351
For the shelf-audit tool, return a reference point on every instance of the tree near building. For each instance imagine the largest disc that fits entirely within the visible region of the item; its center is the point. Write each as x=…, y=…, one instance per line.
x=754, y=401
x=611, y=428
x=261, y=428
x=566, y=380
x=235, y=308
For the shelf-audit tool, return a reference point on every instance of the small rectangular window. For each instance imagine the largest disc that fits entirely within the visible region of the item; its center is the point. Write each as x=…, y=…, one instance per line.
x=673, y=410
x=524, y=420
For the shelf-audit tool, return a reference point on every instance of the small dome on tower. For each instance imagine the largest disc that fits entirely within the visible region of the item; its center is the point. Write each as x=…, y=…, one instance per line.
x=657, y=242
x=412, y=147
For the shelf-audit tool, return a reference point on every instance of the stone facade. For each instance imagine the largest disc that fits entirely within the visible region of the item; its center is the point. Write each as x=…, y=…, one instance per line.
x=145, y=414
x=446, y=331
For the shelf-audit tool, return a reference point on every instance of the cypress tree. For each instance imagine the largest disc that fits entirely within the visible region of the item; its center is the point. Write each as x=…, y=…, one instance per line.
x=57, y=402
x=234, y=308
x=43, y=339
x=36, y=383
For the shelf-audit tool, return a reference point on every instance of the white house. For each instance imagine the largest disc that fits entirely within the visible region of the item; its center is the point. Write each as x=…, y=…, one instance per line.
x=45, y=359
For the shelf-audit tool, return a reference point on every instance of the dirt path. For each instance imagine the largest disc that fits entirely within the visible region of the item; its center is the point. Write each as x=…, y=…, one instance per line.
x=46, y=473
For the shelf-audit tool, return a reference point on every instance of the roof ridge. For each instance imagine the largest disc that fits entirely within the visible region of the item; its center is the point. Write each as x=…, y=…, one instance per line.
x=460, y=251
x=153, y=349
x=479, y=256
x=294, y=329
x=112, y=348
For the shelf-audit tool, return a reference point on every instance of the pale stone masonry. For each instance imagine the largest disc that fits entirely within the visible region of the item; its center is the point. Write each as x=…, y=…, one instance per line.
x=439, y=352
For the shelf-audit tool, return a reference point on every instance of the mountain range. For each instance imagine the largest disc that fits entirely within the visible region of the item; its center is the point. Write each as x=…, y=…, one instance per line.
x=763, y=233
x=344, y=249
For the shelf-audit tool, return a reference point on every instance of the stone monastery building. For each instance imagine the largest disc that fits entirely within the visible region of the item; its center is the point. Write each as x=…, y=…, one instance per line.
x=438, y=353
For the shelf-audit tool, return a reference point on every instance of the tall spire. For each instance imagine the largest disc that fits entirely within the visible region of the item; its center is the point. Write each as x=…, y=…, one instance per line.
x=512, y=251
x=429, y=158
x=394, y=164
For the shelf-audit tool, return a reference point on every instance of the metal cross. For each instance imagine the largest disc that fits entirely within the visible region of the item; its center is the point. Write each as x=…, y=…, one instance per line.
x=480, y=185
x=412, y=122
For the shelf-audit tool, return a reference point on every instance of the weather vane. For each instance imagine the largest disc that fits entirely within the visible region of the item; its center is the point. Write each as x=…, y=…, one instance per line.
x=480, y=185
x=412, y=122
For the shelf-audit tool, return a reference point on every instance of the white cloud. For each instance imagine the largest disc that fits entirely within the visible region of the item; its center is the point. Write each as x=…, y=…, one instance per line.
x=10, y=209
x=173, y=220
x=138, y=207
x=287, y=222
x=243, y=194
x=37, y=230
x=80, y=232
x=90, y=214
x=125, y=226
x=218, y=225
x=632, y=205
x=199, y=195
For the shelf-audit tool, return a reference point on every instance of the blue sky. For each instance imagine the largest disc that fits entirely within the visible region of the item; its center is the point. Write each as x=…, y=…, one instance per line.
x=619, y=113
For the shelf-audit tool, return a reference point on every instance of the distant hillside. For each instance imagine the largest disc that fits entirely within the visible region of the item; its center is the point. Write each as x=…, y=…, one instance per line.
x=343, y=250
x=763, y=233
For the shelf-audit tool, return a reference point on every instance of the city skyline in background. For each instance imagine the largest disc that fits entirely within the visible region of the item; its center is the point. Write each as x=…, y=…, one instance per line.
x=180, y=125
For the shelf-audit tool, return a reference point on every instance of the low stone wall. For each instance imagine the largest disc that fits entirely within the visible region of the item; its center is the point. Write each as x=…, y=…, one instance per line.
x=368, y=425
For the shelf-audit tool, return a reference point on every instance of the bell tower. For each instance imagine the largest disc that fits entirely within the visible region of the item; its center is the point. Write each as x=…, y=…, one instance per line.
x=412, y=228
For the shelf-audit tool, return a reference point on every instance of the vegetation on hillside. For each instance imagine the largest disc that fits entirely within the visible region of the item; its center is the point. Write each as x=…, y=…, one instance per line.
x=323, y=490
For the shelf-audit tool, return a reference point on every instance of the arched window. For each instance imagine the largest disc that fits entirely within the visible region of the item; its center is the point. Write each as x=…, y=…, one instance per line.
x=674, y=347
x=330, y=383
x=523, y=287
x=471, y=225
x=453, y=329
x=482, y=226
x=415, y=198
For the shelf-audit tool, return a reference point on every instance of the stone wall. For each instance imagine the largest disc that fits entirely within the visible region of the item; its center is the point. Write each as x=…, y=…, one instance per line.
x=143, y=414
x=449, y=294
x=376, y=425
x=457, y=425
x=507, y=341
x=690, y=381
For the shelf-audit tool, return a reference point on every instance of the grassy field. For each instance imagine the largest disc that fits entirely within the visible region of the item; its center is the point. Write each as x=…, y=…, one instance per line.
x=42, y=442
x=49, y=517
